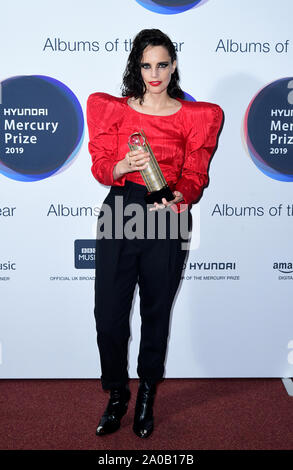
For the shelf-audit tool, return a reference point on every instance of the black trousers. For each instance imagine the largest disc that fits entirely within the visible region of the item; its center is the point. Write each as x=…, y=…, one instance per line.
x=155, y=264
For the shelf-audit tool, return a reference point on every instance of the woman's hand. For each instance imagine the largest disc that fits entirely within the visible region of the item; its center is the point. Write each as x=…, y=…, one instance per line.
x=134, y=160
x=137, y=160
x=165, y=203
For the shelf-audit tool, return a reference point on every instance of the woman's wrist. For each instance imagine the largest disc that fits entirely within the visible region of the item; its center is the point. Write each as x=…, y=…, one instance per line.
x=118, y=170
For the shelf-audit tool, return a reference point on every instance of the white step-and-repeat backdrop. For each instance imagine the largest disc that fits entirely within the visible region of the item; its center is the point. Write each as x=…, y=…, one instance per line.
x=233, y=314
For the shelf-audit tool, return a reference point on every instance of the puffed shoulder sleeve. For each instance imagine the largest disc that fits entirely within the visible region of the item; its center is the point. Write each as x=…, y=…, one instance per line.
x=102, y=120
x=204, y=126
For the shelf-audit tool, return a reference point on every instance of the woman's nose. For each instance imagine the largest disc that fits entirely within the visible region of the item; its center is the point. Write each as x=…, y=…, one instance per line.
x=155, y=72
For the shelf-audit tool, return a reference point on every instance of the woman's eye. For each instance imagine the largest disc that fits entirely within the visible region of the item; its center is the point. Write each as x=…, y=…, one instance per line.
x=147, y=66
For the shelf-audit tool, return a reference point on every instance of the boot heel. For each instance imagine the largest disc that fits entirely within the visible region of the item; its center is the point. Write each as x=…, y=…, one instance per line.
x=115, y=410
x=143, y=424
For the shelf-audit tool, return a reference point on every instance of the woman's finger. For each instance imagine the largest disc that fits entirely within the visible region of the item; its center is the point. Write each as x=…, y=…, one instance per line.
x=158, y=206
x=137, y=162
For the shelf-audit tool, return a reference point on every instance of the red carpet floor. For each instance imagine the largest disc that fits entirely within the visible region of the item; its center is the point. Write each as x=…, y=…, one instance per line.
x=193, y=414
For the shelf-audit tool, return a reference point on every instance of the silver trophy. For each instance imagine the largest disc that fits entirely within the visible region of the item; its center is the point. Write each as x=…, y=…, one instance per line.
x=152, y=175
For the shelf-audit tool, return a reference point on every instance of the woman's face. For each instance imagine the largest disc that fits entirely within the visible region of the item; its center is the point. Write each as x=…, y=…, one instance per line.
x=156, y=69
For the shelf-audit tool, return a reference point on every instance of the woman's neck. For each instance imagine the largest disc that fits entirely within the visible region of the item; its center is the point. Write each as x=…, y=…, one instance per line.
x=155, y=104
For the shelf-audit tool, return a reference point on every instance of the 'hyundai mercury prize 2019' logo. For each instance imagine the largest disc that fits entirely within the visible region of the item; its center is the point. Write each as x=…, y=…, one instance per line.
x=169, y=7
x=268, y=129
x=42, y=126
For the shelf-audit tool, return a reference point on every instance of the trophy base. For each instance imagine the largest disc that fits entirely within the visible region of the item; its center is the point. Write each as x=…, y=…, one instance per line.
x=156, y=196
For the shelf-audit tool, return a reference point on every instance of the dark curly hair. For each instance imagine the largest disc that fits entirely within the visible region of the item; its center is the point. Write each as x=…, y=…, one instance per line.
x=133, y=84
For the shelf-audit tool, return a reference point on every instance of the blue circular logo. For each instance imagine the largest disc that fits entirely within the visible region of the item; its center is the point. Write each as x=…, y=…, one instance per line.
x=42, y=127
x=268, y=129
x=188, y=97
x=169, y=7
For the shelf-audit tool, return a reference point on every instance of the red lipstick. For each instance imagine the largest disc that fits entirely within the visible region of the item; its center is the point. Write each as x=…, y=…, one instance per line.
x=155, y=83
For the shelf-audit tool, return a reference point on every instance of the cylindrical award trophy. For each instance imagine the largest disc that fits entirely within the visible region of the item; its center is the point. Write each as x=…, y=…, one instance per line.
x=152, y=175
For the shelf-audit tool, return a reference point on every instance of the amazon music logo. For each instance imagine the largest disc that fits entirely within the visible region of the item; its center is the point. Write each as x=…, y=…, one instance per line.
x=170, y=7
x=285, y=268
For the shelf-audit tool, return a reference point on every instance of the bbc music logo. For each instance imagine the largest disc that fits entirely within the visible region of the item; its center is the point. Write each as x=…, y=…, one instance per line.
x=84, y=254
x=7, y=266
x=170, y=7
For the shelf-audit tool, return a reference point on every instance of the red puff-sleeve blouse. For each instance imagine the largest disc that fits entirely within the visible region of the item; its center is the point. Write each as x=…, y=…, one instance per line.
x=183, y=142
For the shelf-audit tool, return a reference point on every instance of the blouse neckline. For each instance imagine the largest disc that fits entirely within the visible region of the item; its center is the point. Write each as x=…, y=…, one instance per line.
x=154, y=115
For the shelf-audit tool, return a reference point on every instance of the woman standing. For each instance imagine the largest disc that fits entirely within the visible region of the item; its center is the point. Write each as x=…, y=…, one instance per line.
x=183, y=137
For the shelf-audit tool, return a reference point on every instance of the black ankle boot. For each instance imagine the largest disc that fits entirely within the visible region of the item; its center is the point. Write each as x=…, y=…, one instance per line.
x=143, y=418
x=116, y=408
